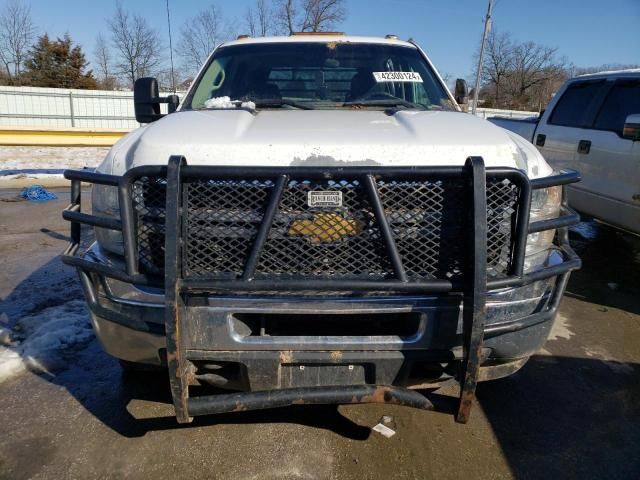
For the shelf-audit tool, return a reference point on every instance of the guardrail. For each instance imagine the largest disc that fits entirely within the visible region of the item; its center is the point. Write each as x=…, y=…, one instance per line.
x=60, y=137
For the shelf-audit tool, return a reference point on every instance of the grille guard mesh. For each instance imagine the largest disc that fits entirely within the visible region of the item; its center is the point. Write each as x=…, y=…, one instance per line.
x=425, y=216
x=493, y=208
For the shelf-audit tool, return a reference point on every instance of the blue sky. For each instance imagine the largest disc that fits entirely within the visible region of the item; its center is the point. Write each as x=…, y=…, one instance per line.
x=587, y=32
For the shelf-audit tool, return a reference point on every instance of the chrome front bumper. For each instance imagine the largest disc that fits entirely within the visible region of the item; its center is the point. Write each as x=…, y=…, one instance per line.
x=518, y=319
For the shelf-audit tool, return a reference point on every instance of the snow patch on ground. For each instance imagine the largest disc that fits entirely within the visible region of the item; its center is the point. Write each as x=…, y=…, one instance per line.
x=14, y=159
x=31, y=175
x=560, y=329
x=45, y=341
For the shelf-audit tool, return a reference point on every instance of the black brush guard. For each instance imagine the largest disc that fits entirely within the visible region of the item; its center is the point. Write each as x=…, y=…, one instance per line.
x=472, y=283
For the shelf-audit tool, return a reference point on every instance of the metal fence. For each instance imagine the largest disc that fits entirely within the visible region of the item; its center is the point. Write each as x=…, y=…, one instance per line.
x=494, y=112
x=68, y=108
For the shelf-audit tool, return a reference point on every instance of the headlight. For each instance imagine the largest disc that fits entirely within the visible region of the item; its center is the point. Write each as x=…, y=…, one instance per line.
x=104, y=203
x=545, y=204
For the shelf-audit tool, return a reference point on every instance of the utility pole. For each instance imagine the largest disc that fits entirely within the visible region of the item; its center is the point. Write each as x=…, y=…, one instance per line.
x=487, y=29
x=173, y=76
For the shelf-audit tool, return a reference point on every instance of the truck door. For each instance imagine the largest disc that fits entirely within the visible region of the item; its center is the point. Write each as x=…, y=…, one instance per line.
x=561, y=129
x=609, y=163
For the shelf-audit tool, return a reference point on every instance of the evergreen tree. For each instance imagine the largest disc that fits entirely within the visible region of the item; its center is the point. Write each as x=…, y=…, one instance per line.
x=57, y=64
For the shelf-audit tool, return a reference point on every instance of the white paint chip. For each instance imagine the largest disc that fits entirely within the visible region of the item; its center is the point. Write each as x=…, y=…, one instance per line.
x=384, y=430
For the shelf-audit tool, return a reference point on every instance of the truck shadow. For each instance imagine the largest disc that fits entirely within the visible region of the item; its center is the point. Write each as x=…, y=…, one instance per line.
x=610, y=272
x=137, y=403
x=559, y=417
x=562, y=417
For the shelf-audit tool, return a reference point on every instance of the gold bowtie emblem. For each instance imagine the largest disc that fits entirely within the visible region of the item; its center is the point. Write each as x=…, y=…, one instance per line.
x=326, y=228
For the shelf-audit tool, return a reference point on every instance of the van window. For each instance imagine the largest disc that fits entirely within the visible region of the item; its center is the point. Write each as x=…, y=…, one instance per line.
x=622, y=101
x=571, y=108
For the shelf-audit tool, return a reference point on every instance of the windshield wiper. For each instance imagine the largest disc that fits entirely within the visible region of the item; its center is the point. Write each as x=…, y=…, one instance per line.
x=279, y=102
x=390, y=102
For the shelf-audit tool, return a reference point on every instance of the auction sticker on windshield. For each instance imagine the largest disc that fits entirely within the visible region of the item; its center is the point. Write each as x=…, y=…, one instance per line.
x=397, y=77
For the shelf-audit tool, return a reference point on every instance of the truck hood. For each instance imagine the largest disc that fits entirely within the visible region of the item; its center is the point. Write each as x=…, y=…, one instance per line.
x=323, y=138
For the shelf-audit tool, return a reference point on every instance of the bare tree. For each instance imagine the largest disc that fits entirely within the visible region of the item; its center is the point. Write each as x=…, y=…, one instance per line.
x=103, y=62
x=250, y=22
x=259, y=20
x=322, y=15
x=16, y=36
x=286, y=13
x=532, y=64
x=199, y=35
x=497, y=62
x=309, y=15
x=520, y=75
x=137, y=45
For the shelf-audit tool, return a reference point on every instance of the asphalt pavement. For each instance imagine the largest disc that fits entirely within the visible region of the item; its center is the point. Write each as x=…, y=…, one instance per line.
x=572, y=412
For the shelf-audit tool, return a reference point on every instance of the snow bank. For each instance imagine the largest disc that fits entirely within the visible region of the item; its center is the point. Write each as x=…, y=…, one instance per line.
x=44, y=342
x=35, y=162
x=45, y=176
x=226, y=102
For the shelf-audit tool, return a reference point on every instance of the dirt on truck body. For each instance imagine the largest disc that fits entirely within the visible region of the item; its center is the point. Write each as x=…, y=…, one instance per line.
x=414, y=245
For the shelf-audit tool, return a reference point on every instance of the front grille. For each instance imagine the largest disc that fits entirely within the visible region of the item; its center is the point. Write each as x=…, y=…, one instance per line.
x=342, y=241
x=149, y=199
x=223, y=218
x=427, y=219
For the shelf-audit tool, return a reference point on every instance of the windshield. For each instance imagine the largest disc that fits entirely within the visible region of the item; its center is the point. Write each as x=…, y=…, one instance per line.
x=319, y=75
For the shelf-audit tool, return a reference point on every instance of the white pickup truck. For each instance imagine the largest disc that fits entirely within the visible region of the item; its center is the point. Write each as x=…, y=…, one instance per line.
x=318, y=222
x=593, y=125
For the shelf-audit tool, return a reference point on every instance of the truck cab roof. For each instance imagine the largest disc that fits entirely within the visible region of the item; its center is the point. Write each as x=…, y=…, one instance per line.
x=629, y=72
x=319, y=38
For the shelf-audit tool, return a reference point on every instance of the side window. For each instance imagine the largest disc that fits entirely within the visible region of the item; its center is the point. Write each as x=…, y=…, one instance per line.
x=211, y=83
x=622, y=101
x=571, y=108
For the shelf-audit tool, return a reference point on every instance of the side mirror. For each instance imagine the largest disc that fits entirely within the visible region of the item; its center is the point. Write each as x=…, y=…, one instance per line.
x=631, y=129
x=461, y=93
x=147, y=100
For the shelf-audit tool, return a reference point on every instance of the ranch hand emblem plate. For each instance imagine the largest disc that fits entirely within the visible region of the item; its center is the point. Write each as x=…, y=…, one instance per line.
x=324, y=199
